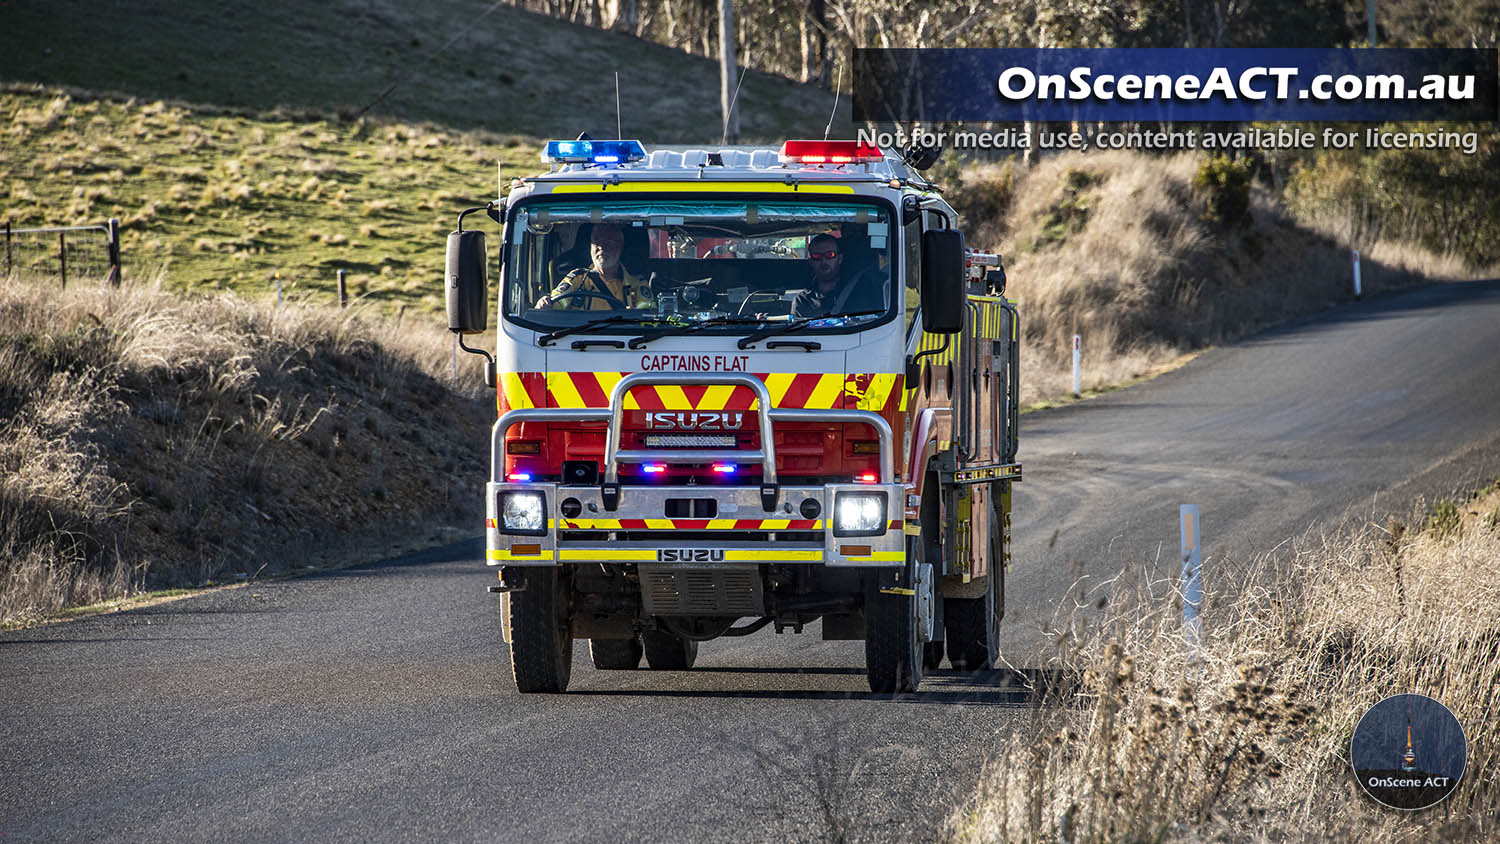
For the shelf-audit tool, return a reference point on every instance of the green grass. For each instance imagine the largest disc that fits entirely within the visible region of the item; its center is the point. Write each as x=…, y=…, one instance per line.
x=230, y=202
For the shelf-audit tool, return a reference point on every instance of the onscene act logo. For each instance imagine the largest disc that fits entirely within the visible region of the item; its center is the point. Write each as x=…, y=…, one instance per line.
x=1408, y=752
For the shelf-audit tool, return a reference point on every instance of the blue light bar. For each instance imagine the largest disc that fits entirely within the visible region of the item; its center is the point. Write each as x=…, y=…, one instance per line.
x=593, y=152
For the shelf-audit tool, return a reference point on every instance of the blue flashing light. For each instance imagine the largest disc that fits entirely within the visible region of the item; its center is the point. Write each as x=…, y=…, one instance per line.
x=593, y=152
x=518, y=477
x=653, y=468
x=725, y=468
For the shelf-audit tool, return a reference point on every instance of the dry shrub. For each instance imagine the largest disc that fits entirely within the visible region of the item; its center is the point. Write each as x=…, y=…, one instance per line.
x=1250, y=741
x=1149, y=257
x=147, y=440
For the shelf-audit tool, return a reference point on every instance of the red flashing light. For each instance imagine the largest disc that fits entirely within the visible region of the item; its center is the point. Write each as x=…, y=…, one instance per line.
x=829, y=152
x=653, y=468
x=866, y=478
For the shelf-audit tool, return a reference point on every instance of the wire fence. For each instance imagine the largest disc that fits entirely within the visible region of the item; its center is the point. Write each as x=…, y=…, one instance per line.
x=78, y=253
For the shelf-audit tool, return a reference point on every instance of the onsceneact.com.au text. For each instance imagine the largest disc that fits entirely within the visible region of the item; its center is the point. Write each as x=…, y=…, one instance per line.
x=1253, y=83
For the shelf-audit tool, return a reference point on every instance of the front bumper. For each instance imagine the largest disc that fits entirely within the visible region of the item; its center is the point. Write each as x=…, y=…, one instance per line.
x=637, y=531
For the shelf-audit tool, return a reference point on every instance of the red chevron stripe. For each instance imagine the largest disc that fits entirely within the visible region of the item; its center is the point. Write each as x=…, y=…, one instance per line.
x=589, y=389
x=801, y=389
x=694, y=394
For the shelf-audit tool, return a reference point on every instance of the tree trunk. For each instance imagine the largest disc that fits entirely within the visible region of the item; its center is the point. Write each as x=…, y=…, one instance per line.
x=727, y=72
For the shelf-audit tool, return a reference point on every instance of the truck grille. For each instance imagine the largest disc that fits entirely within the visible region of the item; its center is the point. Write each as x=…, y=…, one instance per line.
x=722, y=591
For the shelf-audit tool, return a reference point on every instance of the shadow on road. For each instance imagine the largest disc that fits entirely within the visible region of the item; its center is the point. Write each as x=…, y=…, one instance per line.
x=1026, y=688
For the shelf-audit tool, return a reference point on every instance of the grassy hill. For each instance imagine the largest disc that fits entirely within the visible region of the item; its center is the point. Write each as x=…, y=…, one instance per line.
x=463, y=64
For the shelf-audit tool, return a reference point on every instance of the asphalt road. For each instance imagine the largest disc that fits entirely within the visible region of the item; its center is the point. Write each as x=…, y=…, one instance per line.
x=375, y=703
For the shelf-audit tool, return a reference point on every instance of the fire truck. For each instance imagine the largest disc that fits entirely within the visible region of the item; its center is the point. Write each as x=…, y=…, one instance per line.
x=704, y=438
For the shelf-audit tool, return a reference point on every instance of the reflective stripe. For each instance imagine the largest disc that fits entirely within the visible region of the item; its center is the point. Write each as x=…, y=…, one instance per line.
x=504, y=554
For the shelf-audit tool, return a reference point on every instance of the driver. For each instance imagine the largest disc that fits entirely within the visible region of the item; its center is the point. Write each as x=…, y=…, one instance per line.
x=612, y=286
x=832, y=293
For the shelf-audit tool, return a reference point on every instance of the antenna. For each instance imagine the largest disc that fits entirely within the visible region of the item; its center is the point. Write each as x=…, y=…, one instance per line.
x=836, y=86
x=734, y=98
x=619, y=133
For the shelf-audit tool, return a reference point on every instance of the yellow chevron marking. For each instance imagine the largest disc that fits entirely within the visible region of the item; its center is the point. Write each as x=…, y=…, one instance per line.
x=880, y=389
x=515, y=392
x=778, y=383
x=504, y=554
x=704, y=187
x=564, y=392
x=721, y=524
x=660, y=524
x=716, y=397
x=774, y=524
x=608, y=380
x=895, y=590
x=672, y=397
x=829, y=388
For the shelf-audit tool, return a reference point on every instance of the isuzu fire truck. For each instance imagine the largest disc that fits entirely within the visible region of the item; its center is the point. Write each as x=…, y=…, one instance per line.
x=690, y=457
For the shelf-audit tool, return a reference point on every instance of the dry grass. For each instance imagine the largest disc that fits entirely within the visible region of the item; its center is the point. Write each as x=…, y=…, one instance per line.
x=148, y=440
x=1119, y=248
x=1250, y=742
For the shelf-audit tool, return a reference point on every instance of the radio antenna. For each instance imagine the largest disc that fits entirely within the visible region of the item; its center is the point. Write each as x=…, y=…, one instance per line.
x=836, y=86
x=619, y=133
x=734, y=98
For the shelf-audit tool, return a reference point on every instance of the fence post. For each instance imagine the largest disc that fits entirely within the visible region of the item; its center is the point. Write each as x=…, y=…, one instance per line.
x=115, y=273
x=1077, y=365
x=343, y=291
x=1192, y=577
x=62, y=256
x=7, y=248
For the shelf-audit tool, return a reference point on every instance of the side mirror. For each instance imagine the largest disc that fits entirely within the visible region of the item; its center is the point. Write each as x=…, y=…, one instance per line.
x=942, y=281
x=465, y=284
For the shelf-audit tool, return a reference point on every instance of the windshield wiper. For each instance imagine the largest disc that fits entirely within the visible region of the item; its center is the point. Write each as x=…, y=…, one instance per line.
x=797, y=324
x=549, y=338
x=692, y=328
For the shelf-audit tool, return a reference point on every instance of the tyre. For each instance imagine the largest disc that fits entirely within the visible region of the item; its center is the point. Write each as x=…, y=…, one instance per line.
x=972, y=625
x=615, y=654
x=541, y=636
x=668, y=651
x=895, y=655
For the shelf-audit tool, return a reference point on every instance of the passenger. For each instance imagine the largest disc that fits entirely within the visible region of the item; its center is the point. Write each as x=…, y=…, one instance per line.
x=831, y=293
x=606, y=285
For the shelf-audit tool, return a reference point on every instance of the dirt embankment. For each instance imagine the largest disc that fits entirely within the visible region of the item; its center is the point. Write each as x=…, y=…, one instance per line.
x=148, y=440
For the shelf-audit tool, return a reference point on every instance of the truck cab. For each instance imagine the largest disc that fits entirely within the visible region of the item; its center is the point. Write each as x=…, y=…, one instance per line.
x=741, y=388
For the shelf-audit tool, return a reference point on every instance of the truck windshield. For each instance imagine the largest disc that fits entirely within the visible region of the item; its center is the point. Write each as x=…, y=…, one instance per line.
x=677, y=264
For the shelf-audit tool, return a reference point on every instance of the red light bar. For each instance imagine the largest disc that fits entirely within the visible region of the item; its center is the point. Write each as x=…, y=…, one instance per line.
x=866, y=478
x=829, y=152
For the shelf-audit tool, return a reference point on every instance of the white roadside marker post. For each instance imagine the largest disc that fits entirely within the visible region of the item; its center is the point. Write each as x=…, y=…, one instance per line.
x=278, y=292
x=1077, y=365
x=1192, y=578
x=1357, y=291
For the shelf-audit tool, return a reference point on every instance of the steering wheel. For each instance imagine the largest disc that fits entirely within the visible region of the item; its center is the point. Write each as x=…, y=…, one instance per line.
x=764, y=294
x=614, y=304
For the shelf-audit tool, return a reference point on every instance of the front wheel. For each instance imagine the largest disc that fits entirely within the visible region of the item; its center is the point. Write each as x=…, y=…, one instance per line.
x=895, y=653
x=541, y=636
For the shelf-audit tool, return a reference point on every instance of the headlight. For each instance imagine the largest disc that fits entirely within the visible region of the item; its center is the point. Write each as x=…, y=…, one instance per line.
x=858, y=514
x=522, y=512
